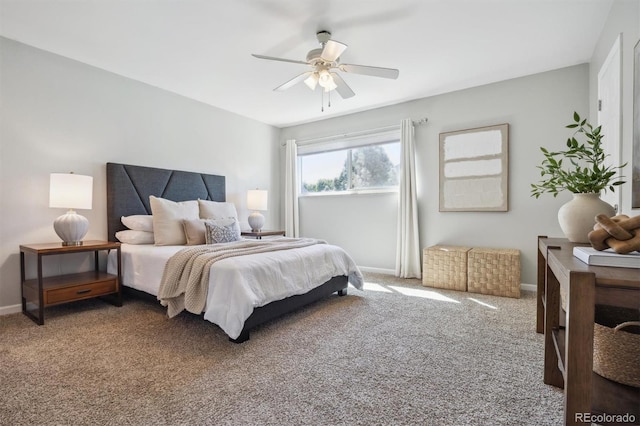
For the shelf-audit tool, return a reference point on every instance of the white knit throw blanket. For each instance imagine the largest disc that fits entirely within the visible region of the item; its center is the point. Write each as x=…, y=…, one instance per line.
x=185, y=279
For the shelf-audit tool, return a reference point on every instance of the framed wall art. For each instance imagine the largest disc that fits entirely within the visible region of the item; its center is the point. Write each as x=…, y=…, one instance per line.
x=474, y=169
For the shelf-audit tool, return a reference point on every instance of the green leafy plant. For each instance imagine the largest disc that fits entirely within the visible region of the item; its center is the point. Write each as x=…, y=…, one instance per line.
x=585, y=171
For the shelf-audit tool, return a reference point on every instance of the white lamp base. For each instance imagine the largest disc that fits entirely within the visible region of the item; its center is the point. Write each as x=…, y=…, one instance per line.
x=71, y=228
x=256, y=221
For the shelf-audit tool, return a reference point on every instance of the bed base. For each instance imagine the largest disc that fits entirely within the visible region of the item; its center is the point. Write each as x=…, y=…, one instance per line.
x=271, y=310
x=280, y=307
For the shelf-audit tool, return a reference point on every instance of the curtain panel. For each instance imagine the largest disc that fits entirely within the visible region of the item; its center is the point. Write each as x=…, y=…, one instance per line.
x=291, y=221
x=408, y=242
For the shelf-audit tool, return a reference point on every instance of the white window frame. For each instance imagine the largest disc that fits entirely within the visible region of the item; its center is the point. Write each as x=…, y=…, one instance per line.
x=347, y=142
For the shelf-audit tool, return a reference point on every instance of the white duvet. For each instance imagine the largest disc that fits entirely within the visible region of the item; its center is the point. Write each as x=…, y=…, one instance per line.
x=240, y=284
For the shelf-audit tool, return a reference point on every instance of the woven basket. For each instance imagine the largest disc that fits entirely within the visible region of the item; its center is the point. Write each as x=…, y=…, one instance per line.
x=616, y=353
x=494, y=271
x=445, y=267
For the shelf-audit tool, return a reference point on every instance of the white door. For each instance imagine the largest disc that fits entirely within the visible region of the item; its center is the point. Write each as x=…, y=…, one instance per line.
x=609, y=116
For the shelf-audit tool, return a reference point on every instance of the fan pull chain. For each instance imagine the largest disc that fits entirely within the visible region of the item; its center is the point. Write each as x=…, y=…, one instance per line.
x=322, y=100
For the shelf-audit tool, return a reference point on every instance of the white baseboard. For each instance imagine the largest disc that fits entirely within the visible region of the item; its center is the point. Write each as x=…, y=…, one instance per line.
x=529, y=287
x=377, y=270
x=13, y=309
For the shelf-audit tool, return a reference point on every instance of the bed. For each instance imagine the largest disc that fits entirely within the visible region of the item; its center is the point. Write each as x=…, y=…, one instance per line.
x=250, y=301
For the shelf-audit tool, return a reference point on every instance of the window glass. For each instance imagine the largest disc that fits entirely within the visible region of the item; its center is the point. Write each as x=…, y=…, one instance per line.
x=324, y=171
x=374, y=166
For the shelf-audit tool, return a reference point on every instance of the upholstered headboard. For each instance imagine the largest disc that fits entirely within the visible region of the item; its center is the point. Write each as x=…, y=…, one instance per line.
x=129, y=188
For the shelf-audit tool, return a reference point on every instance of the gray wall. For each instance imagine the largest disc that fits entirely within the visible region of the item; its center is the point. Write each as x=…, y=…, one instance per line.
x=363, y=224
x=59, y=115
x=537, y=108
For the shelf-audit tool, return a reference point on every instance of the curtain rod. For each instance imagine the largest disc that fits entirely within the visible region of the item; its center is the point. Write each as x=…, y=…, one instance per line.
x=359, y=133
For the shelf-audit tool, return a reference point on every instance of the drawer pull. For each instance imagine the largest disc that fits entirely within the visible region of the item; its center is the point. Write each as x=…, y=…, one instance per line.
x=85, y=291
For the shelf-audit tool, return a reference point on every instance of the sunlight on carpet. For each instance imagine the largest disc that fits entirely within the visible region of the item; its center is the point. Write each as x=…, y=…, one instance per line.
x=407, y=291
x=482, y=303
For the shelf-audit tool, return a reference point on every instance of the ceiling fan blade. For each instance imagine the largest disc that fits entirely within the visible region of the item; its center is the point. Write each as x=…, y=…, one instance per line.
x=373, y=71
x=343, y=88
x=272, y=58
x=332, y=50
x=295, y=80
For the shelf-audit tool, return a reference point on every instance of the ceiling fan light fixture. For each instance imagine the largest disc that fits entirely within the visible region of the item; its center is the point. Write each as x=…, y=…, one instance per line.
x=312, y=81
x=329, y=85
x=323, y=61
x=325, y=79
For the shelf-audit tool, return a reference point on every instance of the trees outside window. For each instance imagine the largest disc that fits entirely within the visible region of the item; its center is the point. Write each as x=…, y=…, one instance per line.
x=364, y=167
x=371, y=167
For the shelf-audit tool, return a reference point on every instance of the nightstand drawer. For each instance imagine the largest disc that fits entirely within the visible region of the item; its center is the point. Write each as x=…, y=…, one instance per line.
x=67, y=294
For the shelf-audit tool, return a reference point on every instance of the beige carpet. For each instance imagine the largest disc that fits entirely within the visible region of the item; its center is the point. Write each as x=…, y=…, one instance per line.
x=397, y=353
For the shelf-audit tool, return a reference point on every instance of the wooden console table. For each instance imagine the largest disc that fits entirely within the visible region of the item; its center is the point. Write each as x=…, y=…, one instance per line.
x=568, y=333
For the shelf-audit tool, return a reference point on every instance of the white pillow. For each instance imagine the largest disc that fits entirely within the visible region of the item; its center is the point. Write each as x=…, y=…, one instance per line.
x=138, y=222
x=217, y=210
x=135, y=237
x=167, y=220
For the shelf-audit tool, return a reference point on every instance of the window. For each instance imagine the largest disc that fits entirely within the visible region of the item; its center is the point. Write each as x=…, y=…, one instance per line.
x=363, y=163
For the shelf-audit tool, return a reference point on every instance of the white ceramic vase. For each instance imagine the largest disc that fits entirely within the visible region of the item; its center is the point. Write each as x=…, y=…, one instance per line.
x=577, y=217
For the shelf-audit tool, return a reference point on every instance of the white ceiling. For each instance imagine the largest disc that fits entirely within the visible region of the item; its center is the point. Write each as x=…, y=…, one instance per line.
x=202, y=48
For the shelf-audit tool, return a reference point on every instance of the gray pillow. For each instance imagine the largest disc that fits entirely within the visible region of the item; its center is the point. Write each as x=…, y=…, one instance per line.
x=221, y=232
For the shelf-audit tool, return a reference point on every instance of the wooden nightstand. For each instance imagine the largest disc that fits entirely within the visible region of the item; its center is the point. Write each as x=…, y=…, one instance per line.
x=42, y=291
x=260, y=234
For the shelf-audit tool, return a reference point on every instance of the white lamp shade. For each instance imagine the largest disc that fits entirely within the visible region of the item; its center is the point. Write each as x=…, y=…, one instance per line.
x=324, y=78
x=312, y=81
x=257, y=199
x=70, y=191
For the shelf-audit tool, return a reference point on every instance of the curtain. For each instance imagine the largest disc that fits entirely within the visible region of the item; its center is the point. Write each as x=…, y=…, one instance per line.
x=291, y=190
x=408, y=243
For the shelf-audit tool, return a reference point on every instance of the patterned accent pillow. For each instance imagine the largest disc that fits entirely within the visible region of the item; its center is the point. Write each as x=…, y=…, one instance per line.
x=221, y=231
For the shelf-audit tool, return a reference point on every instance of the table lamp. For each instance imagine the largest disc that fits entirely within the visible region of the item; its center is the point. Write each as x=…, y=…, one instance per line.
x=256, y=200
x=70, y=191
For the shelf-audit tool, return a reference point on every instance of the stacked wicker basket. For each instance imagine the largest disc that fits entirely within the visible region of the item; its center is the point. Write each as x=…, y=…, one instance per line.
x=477, y=270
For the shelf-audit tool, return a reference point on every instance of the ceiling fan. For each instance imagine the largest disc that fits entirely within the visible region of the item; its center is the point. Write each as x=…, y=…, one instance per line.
x=324, y=63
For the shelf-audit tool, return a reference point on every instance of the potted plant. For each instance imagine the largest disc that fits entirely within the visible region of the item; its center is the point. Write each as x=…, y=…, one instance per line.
x=581, y=170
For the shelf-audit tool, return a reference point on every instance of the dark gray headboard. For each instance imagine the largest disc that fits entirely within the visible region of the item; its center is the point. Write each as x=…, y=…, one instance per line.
x=129, y=188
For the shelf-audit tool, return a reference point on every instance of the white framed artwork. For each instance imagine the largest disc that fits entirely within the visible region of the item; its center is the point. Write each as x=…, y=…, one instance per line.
x=474, y=169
